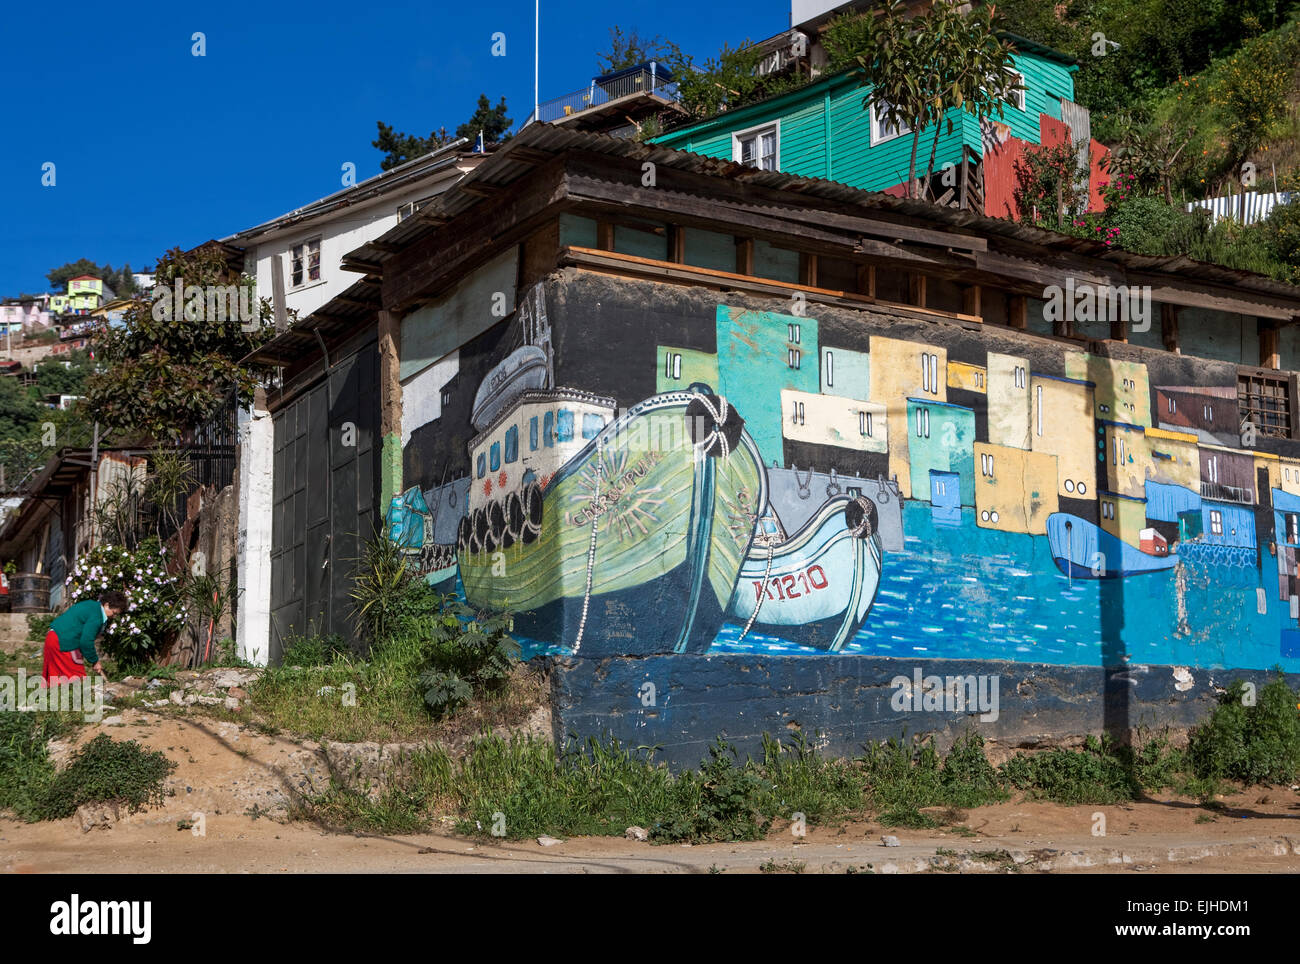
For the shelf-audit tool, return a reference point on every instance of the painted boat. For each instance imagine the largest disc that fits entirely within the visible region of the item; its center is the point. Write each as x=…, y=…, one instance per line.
x=633, y=546
x=816, y=587
x=1079, y=547
x=522, y=370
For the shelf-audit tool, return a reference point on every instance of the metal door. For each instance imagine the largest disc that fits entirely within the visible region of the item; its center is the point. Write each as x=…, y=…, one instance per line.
x=324, y=495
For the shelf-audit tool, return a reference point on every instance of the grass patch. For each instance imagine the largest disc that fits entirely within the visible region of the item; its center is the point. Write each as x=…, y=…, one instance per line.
x=103, y=771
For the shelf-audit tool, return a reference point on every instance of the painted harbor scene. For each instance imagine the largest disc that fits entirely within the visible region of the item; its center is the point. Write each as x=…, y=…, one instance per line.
x=682, y=525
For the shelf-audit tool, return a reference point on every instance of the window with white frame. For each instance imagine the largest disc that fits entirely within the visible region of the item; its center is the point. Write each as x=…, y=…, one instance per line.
x=404, y=211
x=758, y=147
x=830, y=369
x=1216, y=522
x=880, y=129
x=1016, y=96
x=304, y=263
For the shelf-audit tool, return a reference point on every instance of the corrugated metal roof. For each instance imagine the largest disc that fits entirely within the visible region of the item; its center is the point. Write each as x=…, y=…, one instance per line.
x=503, y=169
x=339, y=317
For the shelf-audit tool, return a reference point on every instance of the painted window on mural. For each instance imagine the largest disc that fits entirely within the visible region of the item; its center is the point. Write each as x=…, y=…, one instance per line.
x=930, y=373
x=986, y=465
x=564, y=426
x=1038, y=395
x=1019, y=375
x=1212, y=468
x=864, y=423
x=672, y=365
x=512, y=444
x=548, y=429
x=794, y=333
x=1108, y=510
x=591, y=425
x=532, y=434
x=494, y=456
x=793, y=356
x=482, y=465
x=1265, y=402
x=830, y=370
x=922, y=423
x=1216, y=522
x=1293, y=528
x=797, y=413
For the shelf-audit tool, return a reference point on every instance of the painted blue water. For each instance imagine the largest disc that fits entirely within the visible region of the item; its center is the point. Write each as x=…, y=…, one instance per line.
x=972, y=593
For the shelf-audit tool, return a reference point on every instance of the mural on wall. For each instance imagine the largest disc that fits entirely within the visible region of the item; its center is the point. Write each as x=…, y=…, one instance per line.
x=788, y=485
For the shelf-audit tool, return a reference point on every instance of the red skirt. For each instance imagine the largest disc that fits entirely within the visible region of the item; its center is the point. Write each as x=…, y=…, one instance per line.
x=60, y=664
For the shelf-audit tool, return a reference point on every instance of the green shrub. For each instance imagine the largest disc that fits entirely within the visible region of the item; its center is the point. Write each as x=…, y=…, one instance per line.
x=155, y=611
x=467, y=654
x=1253, y=744
x=723, y=800
x=25, y=767
x=1095, y=775
x=38, y=624
x=107, y=771
x=313, y=650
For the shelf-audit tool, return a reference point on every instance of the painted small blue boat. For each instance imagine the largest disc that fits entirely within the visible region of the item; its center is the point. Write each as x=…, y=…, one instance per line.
x=816, y=587
x=1083, y=550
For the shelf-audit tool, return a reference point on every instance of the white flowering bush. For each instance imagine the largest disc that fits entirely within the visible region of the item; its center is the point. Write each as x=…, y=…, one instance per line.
x=155, y=610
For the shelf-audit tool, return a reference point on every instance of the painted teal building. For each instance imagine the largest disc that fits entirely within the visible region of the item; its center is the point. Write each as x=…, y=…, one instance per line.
x=824, y=130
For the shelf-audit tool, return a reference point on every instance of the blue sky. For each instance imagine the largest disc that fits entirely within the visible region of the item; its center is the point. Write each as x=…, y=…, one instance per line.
x=156, y=148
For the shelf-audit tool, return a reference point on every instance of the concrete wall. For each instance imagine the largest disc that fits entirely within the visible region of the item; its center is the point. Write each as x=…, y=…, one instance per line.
x=957, y=500
x=253, y=551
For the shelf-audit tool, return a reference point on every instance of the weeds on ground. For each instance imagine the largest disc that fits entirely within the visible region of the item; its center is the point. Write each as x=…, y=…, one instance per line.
x=102, y=771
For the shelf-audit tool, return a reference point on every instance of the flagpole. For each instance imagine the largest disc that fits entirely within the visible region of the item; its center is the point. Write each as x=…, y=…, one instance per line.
x=537, y=46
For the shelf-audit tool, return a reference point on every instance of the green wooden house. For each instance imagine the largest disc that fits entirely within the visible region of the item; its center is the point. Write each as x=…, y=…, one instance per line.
x=824, y=129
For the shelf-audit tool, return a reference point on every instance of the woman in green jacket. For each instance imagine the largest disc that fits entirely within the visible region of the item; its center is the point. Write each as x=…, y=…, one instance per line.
x=70, y=642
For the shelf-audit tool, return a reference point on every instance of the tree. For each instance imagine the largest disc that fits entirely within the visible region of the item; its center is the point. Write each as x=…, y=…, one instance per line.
x=491, y=121
x=166, y=371
x=59, y=277
x=400, y=147
x=921, y=69
x=725, y=82
x=630, y=49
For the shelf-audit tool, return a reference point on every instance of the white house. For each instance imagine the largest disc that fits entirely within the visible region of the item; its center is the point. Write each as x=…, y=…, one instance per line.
x=307, y=246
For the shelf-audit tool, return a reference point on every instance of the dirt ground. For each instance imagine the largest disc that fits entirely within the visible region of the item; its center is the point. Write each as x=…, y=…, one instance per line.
x=233, y=784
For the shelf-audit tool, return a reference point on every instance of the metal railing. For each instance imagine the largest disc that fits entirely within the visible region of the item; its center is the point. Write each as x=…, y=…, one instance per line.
x=1219, y=492
x=602, y=92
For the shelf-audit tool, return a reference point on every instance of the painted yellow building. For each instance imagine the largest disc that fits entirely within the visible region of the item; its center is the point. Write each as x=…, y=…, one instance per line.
x=849, y=423
x=1288, y=479
x=1122, y=390
x=1061, y=417
x=1127, y=458
x=1123, y=517
x=1173, y=458
x=971, y=378
x=1015, y=490
x=901, y=370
